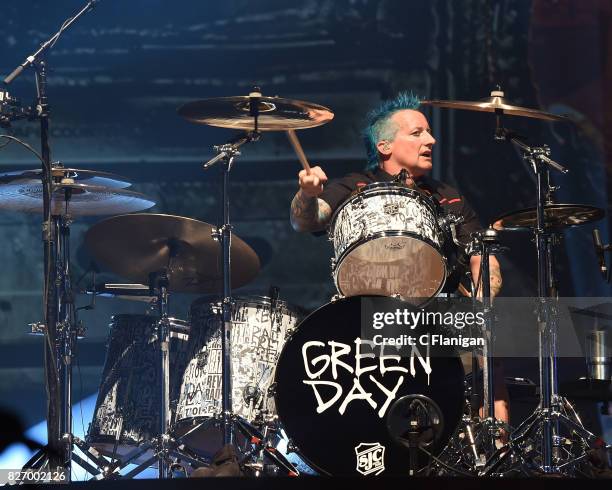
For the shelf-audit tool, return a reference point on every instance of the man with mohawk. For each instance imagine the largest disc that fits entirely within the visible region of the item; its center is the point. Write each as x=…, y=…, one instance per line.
x=398, y=138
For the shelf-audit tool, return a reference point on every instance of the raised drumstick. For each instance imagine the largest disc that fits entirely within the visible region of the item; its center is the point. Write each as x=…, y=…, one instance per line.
x=297, y=147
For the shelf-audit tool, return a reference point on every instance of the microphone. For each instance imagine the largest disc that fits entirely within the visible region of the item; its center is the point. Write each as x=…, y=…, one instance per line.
x=599, y=251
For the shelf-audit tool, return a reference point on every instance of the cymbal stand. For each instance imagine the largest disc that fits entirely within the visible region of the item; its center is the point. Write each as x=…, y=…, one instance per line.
x=488, y=244
x=159, y=281
x=57, y=314
x=226, y=155
x=483, y=432
x=164, y=446
x=543, y=427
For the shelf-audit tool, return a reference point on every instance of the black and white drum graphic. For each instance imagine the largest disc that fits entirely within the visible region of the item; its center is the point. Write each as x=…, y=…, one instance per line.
x=348, y=404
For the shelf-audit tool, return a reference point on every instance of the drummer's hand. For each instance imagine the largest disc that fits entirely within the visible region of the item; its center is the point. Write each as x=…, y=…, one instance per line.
x=312, y=183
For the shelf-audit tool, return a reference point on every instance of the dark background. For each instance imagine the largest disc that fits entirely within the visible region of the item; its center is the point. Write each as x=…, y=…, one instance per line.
x=118, y=76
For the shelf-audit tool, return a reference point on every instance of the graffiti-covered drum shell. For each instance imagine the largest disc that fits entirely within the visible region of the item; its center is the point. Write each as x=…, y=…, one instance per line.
x=331, y=402
x=387, y=242
x=127, y=410
x=259, y=328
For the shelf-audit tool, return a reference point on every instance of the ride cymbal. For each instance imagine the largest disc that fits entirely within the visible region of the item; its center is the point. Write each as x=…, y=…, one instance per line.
x=556, y=216
x=273, y=113
x=495, y=103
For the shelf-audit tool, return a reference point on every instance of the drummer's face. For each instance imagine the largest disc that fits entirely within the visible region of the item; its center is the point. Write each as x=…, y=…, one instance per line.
x=412, y=146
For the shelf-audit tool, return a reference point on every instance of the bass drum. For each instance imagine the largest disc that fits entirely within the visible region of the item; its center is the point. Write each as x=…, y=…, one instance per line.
x=347, y=404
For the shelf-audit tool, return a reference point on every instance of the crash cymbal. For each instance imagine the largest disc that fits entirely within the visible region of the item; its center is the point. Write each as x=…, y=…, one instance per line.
x=135, y=245
x=495, y=103
x=275, y=114
x=85, y=200
x=556, y=216
x=67, y=176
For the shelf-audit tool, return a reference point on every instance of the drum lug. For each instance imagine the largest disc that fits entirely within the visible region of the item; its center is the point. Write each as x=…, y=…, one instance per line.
x=336, y=297
x=333, y=263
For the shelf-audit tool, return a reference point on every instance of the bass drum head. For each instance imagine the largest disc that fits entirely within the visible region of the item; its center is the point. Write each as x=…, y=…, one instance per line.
x=347, y=414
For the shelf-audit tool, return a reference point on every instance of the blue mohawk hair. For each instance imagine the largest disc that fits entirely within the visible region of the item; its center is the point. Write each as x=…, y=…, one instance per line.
x=378, y=125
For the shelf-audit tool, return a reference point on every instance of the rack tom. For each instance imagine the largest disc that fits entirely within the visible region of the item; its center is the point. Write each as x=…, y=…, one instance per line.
x=387, y=242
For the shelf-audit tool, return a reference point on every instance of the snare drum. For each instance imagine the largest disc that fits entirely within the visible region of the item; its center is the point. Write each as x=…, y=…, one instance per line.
x=347, y=405
x=258, y=332
x=127, y=408
x=387, y=242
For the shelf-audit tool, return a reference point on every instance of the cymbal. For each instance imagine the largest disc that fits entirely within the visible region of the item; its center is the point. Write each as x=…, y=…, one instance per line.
x=135, y=245
x=67, y=176
x=275, y=114
x=555, y=216
x=85, y=199
x=495, y=103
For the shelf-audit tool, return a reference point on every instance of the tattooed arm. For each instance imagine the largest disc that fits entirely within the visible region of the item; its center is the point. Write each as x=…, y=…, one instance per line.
x=309, y=213
x=494, y=271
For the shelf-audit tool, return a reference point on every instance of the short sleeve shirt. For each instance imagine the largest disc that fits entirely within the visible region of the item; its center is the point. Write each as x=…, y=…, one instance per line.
x=444, y=196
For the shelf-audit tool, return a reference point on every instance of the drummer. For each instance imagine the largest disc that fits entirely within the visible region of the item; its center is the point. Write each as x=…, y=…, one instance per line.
x=398, y=137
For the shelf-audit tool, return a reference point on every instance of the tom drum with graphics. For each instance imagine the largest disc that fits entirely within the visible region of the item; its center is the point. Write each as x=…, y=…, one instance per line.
x=127, y=408
x=387, y=242
x=259, y=328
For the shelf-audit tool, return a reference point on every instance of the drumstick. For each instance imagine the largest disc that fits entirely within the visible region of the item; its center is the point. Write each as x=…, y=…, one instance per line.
x=297, y=147
x=464, y=291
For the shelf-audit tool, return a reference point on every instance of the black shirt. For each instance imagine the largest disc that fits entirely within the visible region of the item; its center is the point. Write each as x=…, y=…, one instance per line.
x=447, y=199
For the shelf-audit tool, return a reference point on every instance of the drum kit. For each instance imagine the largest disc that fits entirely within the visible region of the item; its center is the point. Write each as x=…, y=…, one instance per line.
x=241, y=371
x=174, y=392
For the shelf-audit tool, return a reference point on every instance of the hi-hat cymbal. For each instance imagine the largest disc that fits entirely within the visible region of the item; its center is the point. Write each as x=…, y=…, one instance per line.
x=495, y=103
x=67, y=176
x=556, y=216
x=275, y=114
x=84, y=199
x=135, y=245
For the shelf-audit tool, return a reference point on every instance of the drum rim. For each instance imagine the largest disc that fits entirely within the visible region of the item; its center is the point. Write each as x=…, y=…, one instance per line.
x=184, y=325
x=382, y=234
x=376, y=188
x=254, y=300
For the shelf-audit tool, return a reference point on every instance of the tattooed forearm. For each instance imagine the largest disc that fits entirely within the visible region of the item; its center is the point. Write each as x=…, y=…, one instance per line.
x=496, y=278
x=309, y=213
